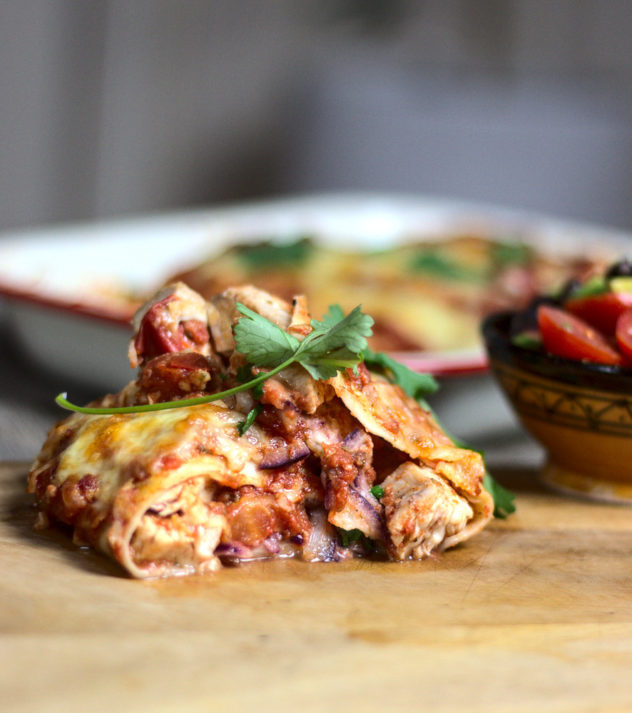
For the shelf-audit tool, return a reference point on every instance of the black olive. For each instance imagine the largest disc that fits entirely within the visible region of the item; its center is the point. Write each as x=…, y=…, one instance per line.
x=623, y=268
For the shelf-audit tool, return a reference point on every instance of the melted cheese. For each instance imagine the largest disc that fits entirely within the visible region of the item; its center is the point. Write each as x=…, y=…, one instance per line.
x=173, y=444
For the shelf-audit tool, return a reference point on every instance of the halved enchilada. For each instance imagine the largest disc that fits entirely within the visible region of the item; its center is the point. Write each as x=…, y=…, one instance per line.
x=322, y=469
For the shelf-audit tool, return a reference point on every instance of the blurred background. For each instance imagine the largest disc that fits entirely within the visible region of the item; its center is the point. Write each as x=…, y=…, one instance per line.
x=124, y=106
x=115, y=107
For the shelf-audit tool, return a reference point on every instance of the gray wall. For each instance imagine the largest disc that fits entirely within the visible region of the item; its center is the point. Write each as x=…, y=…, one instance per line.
x=142, y=105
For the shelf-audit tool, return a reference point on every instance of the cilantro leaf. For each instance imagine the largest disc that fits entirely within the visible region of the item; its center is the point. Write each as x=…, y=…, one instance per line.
x=327, y=366
x=349, y=332
x=251, y=417
x=245, y=374
x=263, y=342
x=377, y=491
x=335, y=343
x=333, y=316
x=348, y=538
x=503, y=499
x=434, y=264
x=262, y=256
x=510, y=252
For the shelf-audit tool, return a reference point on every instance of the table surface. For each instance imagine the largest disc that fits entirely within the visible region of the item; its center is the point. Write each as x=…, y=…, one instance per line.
x=535, y=613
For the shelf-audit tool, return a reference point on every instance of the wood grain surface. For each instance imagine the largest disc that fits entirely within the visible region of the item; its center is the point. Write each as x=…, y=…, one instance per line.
x=534, y=614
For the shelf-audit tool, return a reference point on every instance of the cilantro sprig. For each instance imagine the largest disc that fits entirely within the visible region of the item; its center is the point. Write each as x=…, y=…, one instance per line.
x=251, y=417
x=335, y=343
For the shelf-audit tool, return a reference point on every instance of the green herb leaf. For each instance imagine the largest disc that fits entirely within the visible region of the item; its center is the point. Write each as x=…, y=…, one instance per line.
x=263, y=342
x=511, y=253
x=251, y=417
x=244, y=373
x=334, y=316
x=377, y=491
x=435, y=264
x=597, y=285
x=326, y=367
x=503, y=499
x=349, y=537
x=527, y=340
x=348, y=332
x=262, y=256
x=335, y=343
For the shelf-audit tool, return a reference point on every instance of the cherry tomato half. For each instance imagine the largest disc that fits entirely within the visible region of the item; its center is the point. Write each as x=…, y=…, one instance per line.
x=624, y=335
x=601, y=311
x=567, y=336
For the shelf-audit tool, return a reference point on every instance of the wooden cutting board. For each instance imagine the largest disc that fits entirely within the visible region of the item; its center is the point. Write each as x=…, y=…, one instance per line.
x=534, y=614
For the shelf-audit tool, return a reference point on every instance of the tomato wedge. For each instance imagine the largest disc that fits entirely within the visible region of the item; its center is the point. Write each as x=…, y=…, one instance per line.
x=601, y=311
x=624, y=335
x=567, y=336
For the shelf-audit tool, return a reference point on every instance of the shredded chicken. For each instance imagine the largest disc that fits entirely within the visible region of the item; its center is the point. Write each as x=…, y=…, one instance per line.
x=184, y=526
x=421, y=511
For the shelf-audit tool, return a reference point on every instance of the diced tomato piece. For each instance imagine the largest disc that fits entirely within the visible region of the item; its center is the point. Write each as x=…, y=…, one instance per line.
x=159, y=333
x=624, y=336
x=601, y=311
x=567, y=336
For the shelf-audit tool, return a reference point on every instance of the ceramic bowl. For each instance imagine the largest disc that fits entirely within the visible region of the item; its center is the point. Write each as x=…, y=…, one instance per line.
x=581, y=413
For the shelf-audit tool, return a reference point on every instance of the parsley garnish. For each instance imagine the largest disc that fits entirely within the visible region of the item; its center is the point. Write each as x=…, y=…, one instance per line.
x=511, y=253
x=262, y=256
x=347, y=538
x=243, y=426
x=503, y=499
x=377, y=491
x=435, y=264
x=335, y=343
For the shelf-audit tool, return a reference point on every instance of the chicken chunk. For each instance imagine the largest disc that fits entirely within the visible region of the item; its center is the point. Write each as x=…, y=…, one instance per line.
x=183, y=528
x=423, y=513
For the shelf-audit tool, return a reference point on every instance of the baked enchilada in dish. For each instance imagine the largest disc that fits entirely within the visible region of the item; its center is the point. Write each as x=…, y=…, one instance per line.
x=424, y=294
x=253, y=431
